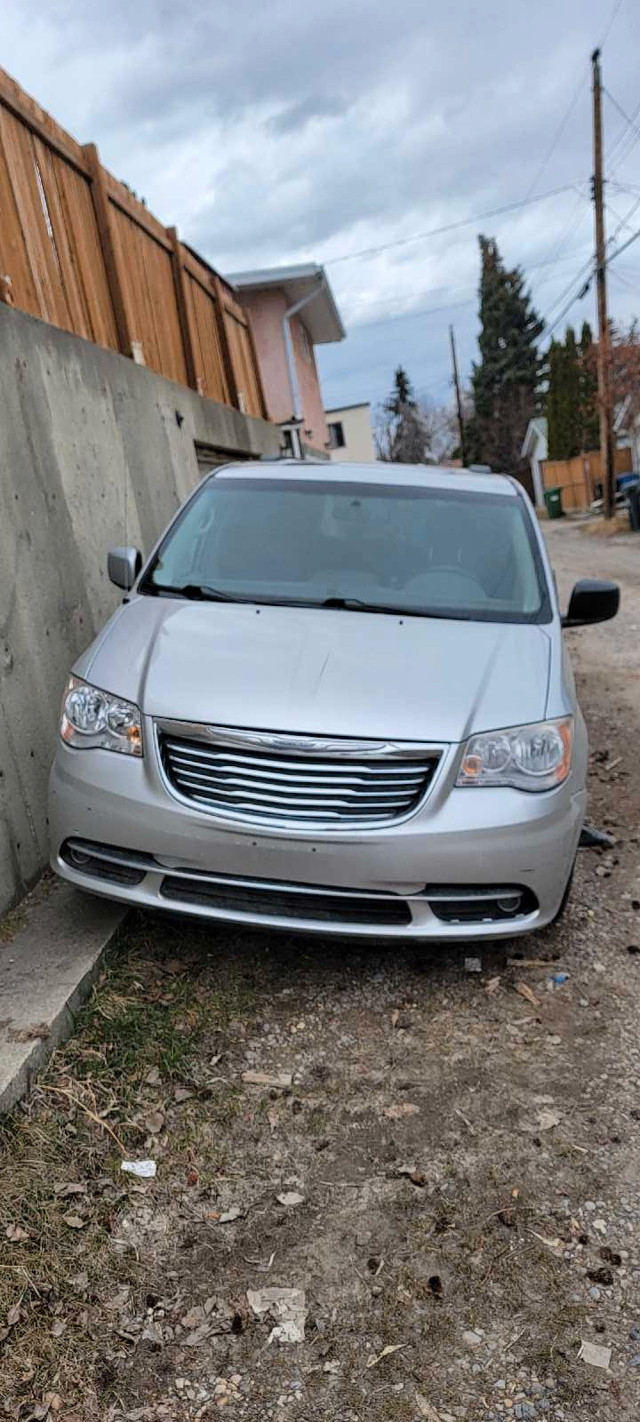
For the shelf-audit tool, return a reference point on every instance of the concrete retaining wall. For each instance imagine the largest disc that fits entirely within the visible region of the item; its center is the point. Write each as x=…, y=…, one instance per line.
x=94, y=450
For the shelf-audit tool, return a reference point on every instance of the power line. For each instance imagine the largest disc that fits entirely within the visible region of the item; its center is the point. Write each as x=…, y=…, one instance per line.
x=619, y=250
x=625, y=282
x=568, y=232
x=423, y=312
x=611, y=22
x=447, y=227
x=558, y=135
x=572, y=102
x=625, y=141
x=621, y=221
x=630, y=122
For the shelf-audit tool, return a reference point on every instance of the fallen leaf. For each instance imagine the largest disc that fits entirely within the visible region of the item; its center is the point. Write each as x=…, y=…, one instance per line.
x=36, y=1031
x=263, y=1078
x=16, y=1234
x=13, y=1316
x=144, y=1169
x=594, y=1354
x=198, y=1336
x=175, y=967
x=70, y=1188
x=193, y=1318
x=290, y=1197
x=491, y=986
x=425, y=1409
x=57, y=1328
x=528, y=993
x=394, y=1017
x=396, y=1113
x=153, y=1077
x=229, y=1216
x=286, y=1306
x=192, y=1177
x=154, y=1122
x=390, y=1348
x=273, y=1119
x=548, y=1119
x=74, y=1221
x=181, y=1094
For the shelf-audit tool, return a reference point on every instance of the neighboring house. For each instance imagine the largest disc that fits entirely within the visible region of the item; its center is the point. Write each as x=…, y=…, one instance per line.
x=535, y=449
x=292, y=310
x=350, y=434
x=580, y=478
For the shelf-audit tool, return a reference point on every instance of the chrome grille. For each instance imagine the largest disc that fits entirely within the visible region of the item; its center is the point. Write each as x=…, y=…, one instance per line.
x=367, y=784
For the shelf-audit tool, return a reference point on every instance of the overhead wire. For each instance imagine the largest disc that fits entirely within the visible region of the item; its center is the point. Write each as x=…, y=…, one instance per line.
x=446, y=227
x=626, y=138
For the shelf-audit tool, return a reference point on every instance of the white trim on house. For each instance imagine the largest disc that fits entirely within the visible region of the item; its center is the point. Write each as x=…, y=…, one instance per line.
x=535, y=449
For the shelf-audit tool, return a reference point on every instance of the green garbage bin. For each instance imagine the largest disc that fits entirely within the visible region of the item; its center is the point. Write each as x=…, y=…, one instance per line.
x=553, y=500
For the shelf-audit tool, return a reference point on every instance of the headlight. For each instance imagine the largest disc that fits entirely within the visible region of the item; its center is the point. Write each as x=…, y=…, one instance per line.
x=93, y=719
x=525, y=757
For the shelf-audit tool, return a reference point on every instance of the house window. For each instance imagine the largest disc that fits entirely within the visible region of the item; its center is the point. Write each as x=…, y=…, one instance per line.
x=336, y=435
x=305, y=343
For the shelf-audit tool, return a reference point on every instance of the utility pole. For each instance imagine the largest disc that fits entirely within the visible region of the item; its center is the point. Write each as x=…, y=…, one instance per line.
x=454, y=362
x=604, y=386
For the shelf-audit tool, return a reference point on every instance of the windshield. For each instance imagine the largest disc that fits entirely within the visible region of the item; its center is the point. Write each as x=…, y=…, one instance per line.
x=423, y=551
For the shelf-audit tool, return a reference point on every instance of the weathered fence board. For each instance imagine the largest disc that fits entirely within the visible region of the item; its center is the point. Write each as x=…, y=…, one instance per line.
x=80, y=251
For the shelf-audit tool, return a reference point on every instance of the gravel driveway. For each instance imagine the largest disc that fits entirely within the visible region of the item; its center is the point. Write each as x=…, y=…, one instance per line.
x=443, y=1164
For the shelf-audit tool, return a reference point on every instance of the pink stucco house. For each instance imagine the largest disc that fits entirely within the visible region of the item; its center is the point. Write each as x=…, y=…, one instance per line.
x=292, y=309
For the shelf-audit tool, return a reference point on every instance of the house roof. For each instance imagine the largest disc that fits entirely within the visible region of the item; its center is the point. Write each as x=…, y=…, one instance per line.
x=536, y=434
x=321, y=316
x=340, y=409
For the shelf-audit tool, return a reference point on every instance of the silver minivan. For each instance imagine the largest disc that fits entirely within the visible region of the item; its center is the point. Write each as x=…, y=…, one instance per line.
x=335, y=698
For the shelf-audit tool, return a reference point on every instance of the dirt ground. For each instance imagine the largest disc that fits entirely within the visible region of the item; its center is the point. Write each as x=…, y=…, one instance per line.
x=448, y=1170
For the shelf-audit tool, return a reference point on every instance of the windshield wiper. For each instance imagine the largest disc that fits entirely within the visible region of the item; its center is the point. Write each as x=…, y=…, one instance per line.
x=196, y=592
x=357, y=604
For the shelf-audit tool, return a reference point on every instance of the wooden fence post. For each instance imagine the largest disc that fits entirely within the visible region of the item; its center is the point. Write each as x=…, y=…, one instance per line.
x=184, y=315
x=103, y=219
x=254, y=354
x=224, y=342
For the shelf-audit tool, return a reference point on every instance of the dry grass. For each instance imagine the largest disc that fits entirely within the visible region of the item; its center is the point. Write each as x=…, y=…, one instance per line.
x=149, y=1014
x=606, y=527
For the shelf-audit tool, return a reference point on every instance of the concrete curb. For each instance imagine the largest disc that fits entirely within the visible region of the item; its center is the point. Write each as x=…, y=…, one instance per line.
x=46, y=971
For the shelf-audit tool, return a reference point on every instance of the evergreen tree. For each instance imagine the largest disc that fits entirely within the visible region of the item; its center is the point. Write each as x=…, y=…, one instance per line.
x=402, y=397
x=403, y=436
x=506, y=379
x=571, y=399
x=589, y=414
x=563, y=400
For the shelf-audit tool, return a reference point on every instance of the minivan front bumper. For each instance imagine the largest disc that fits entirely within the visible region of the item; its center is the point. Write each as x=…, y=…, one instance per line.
x=469, y=863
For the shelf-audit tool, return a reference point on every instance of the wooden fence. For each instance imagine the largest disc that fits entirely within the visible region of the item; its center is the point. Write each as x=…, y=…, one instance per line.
x=579, y=477
x=79, y=250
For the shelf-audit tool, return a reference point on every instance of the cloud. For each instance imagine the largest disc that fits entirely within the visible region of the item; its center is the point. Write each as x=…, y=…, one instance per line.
x=282, y=132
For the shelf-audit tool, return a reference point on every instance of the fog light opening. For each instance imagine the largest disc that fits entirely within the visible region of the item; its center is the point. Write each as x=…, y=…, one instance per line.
x=78, y=857
x=510, y=905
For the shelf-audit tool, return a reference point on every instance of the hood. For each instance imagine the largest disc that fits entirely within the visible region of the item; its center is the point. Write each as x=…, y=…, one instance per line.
x=321, y=671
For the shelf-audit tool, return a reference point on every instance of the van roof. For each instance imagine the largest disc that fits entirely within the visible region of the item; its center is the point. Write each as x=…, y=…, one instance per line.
x=425, y=475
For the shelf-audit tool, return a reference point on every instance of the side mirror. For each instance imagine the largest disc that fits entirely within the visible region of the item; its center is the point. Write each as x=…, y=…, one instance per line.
x=123, y=566
x=592, y=601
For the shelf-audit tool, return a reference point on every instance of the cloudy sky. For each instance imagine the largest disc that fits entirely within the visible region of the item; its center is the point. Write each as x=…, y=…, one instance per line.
x=319, y=129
